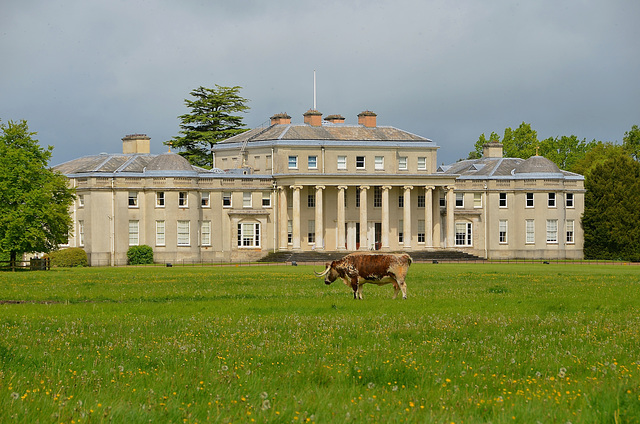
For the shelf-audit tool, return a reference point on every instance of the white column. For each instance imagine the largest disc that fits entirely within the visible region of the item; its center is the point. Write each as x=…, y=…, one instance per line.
x=437, y=219
x=283, y=218
x=364, y=244
x=407, y=217
x=385, y=217
x=319, y=219
x=451, y=205
x=340, y=243
x=296, y=216
x=428, y=216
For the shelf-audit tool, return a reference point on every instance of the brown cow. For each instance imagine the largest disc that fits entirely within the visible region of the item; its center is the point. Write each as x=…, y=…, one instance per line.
x=357, y=269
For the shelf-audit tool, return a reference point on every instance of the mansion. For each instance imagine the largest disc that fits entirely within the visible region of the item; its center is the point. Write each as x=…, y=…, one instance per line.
x=321, y=185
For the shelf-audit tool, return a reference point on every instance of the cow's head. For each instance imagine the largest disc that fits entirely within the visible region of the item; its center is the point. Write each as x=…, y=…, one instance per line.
x=330, y=274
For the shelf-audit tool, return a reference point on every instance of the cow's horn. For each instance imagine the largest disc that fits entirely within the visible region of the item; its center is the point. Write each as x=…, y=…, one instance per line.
x=321, y=274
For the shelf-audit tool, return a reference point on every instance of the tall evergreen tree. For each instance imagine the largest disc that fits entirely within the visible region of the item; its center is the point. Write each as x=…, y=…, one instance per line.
x=34, y=199
x=213, y=118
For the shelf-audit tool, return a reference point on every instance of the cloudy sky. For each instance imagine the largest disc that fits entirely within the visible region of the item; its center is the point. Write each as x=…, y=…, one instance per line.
x=85, y=73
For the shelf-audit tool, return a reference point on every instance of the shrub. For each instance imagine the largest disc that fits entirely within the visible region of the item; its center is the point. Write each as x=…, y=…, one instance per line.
x=140, y=255
x=71, y=257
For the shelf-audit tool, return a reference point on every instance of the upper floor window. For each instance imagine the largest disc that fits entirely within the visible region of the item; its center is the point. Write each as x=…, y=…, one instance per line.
x=160, y=199
x=377, y=197
x=342, y=162
x=293, y=162
x=421, y=200
x=246, y=199
x=133, y=199
x=311, y=200
x=183, y=199
x=503, y=200
x=422, y=163
x=459, y=200
x=552, y=200
x=226, y=199
x=569, y=200
x=312, y=162
x=80, y=200
x=357, y=197
x=204, y=200
x=401, y=201
x=379, y=163
x=402, y=163
x=266, y=199
x=477, y=200
x=360, y=164
x=529, y=200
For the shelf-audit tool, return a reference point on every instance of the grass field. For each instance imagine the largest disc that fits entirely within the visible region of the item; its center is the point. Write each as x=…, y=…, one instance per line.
x=472, y=344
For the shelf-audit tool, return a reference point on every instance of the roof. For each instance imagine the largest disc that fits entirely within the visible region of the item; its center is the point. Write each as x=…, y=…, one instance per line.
x=536, y=167
x=328, y=131
x=104, y=164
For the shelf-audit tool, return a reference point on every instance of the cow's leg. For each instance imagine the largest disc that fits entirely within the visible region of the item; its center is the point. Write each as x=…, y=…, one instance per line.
x=403, y=287
x=360, y=291
x=354, y=286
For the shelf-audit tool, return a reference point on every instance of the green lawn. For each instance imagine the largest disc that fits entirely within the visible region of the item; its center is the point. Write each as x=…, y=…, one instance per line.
x=473, y=343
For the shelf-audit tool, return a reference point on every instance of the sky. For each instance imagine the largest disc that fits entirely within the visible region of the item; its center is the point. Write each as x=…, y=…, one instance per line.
x=85, y=73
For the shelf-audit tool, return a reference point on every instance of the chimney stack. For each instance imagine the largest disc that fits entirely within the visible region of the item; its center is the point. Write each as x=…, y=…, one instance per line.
x=313, y=118
x=367, y=119
x=335, y=119
x=493, y=149
x=136, y=144
x=280, y=119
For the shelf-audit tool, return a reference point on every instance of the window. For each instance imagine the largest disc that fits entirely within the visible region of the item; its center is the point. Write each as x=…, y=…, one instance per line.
x=421, y=201
x=529, y=200
x=570, y=227
x=422, y=163
x=357, y=197
x=459, y=200
x=342, y=162
x=80, y=233
x=312, y=162
x=311, y=200
x=402, y=163
x=183, y=199
x=249, y=234
x=443, y=202
x=266, y=199
x=503, y=200
x=204, y=200
x=80, y=200
x=379, y=163
x=160, y=199
x=552, y=200
x=134, y=235
x=502, y=231
x=360, y=162
x=205, y=233
x=401, y=201
x=293, y=162
x=463, y=234
x=289, y=231
x=552, y=230
x=477, y=200
x=246, y=199
x=400, y=231
x=530, y=230
x=311, y=234
x=160, y=232
x=421, y=233
x=377, y=197
x=184, y=233
x=569, y=200
x=133, y=199
x=226, y=199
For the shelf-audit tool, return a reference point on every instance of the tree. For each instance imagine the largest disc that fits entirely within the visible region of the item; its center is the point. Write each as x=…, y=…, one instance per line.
x=631, y=142
x=597, y=153
x=518, y=143
x=612, y=210
x=213, y=118
x=34, y=199
x=565, y=151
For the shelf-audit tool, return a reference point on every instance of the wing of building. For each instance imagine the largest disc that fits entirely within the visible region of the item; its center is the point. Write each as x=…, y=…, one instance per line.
x=321, y=185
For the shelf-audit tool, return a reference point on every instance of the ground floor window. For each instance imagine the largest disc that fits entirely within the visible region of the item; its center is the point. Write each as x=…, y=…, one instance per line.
x=183, y=233
x=570, y=231
x=160, y=232
x=502, y=231
x=530, y=231
x=552, y=230
x=463, y=234
x=134, y=234
x=205, y=233
x=311, y=233
x=421, y=232
x=249, y=234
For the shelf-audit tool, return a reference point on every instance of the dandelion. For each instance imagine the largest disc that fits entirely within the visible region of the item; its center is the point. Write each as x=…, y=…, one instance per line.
x=15, y=396
x=266, y=404
x=224, y=368
x=264, y=395
x=394, y=388
x=562, y=372
x=371, y=385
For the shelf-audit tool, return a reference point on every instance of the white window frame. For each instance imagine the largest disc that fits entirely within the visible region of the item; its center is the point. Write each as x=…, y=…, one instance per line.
x=161, y=231
x=379, y=163
x=551, y=200
x=477, y=200
x=289, y=231
x=361, y=162
x=247, y=199
x=160, y=199
x=227, y=199
x=205, y=233
x=467, y=237
x=80, y=232
x=529, y=197
x=421, y=232
x=342, y=162
x=403, y=163
x=422, y=163
x=248, y=235
x=570, y=200
x=312, y=162
x=570, y=233
x=530, y=231
x=292, y=162
x=552, y=231
x=266, y=199
x=80, y=200
x=183, y=199
x=133, y=200
x=205, y=199
x=500, y=199
x=184, y=233
x=311, y=231
x=401, y=231
x=459, y=200
x=134, y=232
x=502, y=231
